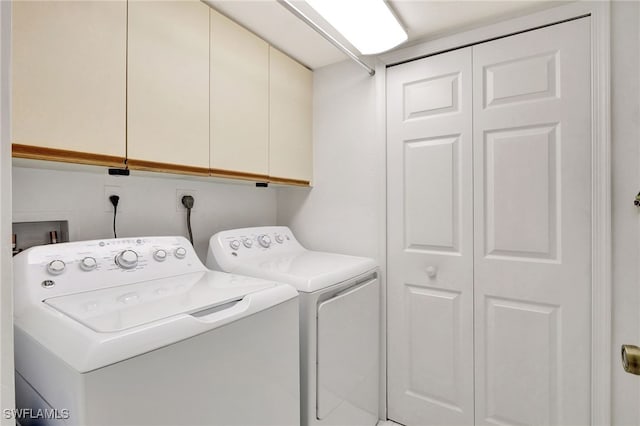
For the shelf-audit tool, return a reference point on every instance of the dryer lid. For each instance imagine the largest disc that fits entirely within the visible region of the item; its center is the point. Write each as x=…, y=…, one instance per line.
x=307, y=271
x=119, y=308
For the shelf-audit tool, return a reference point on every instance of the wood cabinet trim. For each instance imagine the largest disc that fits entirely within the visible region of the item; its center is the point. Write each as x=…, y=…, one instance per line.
x=238, y=175
x=66, y=156
x=288, y=181
x=154, y=166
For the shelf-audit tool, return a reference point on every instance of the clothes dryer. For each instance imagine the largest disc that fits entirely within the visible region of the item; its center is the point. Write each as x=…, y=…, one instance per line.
x=339, y=318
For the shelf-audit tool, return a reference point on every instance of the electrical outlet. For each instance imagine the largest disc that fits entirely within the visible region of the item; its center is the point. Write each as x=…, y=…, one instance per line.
x=181, y=193
x=110, y=190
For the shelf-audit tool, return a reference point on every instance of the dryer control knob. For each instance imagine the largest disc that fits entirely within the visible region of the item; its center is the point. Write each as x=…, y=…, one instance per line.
x=235, y=245
x=127, y=259
x=180, y=253
x=160, y=255
x=88, y=263
x=264, y=240
x=56, y=267
x=247, y=242
x=279, y=238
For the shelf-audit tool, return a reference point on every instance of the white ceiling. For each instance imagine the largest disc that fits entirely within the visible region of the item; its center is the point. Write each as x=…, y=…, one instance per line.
x=423, y=20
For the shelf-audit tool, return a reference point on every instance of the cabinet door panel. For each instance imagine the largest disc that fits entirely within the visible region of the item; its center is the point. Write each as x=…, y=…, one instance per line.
x=69, y=75
x=290, y=146
x=239, y=98
x=168, y=82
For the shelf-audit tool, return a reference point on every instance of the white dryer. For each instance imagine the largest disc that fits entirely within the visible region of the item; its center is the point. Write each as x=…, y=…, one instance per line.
x=339, y=318
x=136, y=331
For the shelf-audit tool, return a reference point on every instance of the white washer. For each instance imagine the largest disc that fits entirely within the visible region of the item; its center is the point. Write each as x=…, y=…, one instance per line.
x=136, y=331
x=339, y=318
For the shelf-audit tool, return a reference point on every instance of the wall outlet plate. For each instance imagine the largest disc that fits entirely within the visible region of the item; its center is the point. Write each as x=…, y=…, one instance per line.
x=181, y=193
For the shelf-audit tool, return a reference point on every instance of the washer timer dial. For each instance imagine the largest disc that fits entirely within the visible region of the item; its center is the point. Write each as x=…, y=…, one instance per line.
x=127, y=259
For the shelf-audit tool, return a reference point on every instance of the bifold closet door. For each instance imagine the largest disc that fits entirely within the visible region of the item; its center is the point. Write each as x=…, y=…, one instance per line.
x=430, y=241
x=532, y=202
x=489, y=232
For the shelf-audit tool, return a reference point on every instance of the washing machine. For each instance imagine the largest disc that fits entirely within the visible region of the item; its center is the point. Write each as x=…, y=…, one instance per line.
x=136, y=331
x=339, y=318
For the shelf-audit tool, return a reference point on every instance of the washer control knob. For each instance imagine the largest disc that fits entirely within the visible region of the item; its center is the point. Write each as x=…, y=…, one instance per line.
x=160, y=255
x=264, y=240
x=88, y=263
x=56, y=267
x=279, y=238
x=235, y=245
x=247, y=242
x=180, y=253
x=127, y=259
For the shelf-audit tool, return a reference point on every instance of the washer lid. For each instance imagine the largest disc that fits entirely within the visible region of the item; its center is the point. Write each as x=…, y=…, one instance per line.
x=120, y=308
x=307, y=271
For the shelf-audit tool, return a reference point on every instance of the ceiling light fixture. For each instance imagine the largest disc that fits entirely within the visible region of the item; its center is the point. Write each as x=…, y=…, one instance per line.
x=368, y=25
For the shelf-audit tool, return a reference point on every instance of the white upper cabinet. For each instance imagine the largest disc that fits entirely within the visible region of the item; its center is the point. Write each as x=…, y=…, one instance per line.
x=239, y=99
x=168, y=85
x=290, y=106
x=69, y=72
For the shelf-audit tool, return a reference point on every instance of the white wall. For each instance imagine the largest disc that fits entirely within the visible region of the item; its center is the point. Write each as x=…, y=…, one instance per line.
x=6, y=287
x=342, y=213
x=148, y=204
x=625, y=115
x=345, y=211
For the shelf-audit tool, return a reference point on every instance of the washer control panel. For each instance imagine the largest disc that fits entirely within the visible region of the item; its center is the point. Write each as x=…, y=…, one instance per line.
x=59, y=269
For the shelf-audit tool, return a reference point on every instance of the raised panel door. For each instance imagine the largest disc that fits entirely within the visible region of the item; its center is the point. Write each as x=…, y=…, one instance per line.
x=532, y=197
x=430, y=241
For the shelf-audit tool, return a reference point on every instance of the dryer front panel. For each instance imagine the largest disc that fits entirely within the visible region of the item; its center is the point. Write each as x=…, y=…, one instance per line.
x=348, y=351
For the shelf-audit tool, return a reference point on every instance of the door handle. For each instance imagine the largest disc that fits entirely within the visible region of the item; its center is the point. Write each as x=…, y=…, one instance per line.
x=631, y=359
x=431, y=271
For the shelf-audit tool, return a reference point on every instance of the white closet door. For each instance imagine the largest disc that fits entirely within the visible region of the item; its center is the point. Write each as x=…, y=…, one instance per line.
x=430, y=245
x=532, y=201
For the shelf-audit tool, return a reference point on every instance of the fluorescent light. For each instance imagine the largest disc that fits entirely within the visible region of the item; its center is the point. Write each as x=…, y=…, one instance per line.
x=368, y=24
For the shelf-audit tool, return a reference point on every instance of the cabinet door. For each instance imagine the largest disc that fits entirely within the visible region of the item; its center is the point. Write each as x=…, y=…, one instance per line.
x=168, y=86
x=290, y=148
x=69, y=76
x=239, y=99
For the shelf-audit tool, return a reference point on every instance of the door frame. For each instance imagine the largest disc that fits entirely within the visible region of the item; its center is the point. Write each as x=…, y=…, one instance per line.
x=601, y=231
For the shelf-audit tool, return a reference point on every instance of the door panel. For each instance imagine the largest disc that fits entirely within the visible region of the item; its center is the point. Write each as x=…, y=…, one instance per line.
x=347, y=372
x=430, y=307
x=532, y=260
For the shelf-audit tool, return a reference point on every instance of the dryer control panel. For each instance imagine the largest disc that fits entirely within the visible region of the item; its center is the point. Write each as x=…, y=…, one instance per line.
x=230, y=247
x=52, y=270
